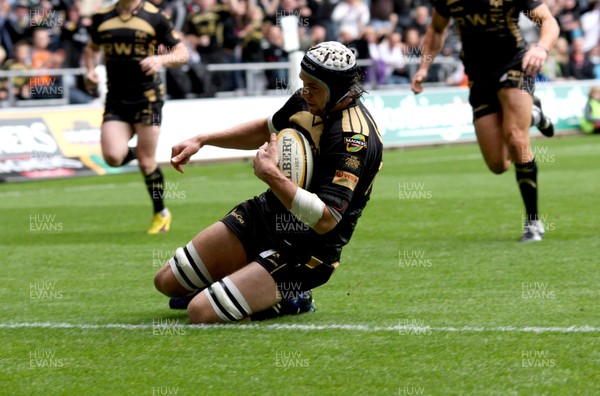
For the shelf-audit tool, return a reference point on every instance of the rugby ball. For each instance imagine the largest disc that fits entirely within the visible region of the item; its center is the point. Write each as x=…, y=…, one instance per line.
x=295, y=157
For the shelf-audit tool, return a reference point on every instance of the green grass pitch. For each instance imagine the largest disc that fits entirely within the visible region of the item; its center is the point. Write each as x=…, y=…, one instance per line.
x=434, y=294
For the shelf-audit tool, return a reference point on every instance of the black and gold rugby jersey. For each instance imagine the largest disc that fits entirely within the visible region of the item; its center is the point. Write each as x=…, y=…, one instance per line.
x=213, y=23
x=489, y=32
x=126, y=41
x=347, y=150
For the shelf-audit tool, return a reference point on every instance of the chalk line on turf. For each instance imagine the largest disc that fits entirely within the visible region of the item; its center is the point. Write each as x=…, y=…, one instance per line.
x=304, y=327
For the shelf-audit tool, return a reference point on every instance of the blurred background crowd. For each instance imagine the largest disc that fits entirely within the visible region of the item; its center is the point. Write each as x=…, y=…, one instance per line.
x=46, y=34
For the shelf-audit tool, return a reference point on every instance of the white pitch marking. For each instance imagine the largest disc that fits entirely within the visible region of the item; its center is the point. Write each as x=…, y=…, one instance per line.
x=306, y=327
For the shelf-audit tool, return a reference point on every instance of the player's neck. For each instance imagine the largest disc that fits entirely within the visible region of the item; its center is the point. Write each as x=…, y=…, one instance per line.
x=128, y=5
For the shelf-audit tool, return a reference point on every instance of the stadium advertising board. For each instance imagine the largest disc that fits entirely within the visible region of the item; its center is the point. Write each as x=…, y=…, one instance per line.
x=50, y=143
x=443, y=115
x=57, y=142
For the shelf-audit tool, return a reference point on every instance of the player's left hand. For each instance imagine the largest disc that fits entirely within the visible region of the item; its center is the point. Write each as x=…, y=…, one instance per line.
x=266, y=159
x=534, y=60
x=151, y=65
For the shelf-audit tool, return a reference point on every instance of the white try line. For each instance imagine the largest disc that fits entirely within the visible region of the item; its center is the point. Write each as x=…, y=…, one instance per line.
x=171, y=323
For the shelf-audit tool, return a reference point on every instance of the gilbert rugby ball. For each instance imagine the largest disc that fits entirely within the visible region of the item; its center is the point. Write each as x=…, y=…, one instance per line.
x=295, y=157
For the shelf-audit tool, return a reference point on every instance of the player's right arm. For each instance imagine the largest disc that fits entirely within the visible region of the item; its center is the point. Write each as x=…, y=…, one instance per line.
x=432, y=45
x=90, y=56
x=247, y=136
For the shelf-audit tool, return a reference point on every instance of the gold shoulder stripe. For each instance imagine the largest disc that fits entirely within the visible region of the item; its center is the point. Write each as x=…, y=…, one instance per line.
x=134, y=23
x=514, y=29
x=107, y=9
x=151, y=8
x=306, y=120
x=374, y=126
x=353, y=120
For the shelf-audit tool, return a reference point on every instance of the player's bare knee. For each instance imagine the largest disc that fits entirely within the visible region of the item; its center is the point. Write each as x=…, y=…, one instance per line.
x=516, y=138
x=499, y=167
x=113, y=160
x=147, y=165
x=161, y=280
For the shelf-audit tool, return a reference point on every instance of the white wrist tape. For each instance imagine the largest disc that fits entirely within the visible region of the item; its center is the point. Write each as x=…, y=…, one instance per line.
x=307, y=207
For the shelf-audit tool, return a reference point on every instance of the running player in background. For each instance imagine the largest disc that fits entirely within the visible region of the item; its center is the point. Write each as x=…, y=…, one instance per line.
x=502, y=70
x=137, y=41
x=247, y=265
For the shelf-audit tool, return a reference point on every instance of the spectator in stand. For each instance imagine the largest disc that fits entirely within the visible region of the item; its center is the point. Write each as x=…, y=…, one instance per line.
x=450, y=69
x=568, y=20
x=20, y=61
x=3, y=81
x=458, y=77
x=176, y=11
x=321, y=16
x=351, y=16
x=595, y=59
x=304, y=13
x=75, y=34
x=391, y=51
x=297, y=8
x=590, y=26
x=373, y=74
x=359, y=45
x=580, y=66
x=557, y=63
x=250, y=35
x=249, y=32
x=590, y=122
x=274, y=52
x=318, y=34
x=412, y=53
x=268, y=7
x=384, y=17
x=5, y=14
x=204, y=29
x=17, y=26
x=286, y=8
x=232, y=80
x=421, y=19
x=49, y=15
x=406, y=11
x=45, y=87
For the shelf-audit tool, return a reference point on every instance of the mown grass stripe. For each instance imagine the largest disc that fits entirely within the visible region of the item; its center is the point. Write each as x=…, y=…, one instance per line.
x=306, y=327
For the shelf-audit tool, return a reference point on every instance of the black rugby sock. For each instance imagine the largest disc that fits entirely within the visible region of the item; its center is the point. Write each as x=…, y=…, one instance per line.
x=155, y=184
x=129, y=157
x=527, y=179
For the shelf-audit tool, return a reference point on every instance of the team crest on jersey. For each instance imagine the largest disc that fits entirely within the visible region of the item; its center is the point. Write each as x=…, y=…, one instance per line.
x=352, y=163
x=355, y=143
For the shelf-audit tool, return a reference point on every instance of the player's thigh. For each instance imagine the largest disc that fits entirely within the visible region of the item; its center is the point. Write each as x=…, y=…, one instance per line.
x=248, y=290
x=219, y=253
x=490, y=137
x=114, y=137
